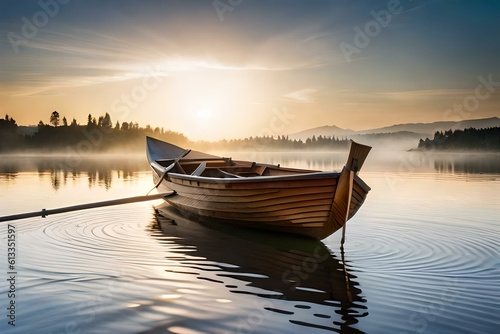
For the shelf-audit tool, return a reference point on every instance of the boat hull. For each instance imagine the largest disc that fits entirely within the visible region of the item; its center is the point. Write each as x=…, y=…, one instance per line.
x=292, y=205
x=255, y=195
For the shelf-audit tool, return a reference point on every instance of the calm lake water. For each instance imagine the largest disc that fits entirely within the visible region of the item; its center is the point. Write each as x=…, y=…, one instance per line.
x=421, y=256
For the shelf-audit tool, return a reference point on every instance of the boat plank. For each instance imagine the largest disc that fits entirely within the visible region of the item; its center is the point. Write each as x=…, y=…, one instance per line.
x=225, y=195
x=261, y=201
x=244, y=208
x=288, y=216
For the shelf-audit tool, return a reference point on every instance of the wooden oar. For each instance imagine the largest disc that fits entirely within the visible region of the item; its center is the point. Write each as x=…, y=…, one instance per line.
x=343, y=196
x=45, y=212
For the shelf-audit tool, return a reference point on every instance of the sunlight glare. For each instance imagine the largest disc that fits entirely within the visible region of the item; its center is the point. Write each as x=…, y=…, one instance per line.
x=200, y=102
x=204, y=114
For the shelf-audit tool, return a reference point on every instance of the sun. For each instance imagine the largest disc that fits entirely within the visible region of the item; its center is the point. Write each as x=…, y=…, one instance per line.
x=203, y=123
x=208, y=104
x=203, y=115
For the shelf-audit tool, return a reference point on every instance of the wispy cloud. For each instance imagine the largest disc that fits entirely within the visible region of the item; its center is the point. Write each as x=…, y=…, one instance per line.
x=420, y=94
x=305, y=95
x=82, y=57
x=425, y=94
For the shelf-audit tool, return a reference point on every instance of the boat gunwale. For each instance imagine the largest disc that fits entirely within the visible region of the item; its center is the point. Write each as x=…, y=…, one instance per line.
x=314, y=175
x=257, y=179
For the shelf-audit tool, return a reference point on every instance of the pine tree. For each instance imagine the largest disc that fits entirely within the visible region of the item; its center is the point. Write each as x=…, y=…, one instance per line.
x=54, y=118
x=106, y=121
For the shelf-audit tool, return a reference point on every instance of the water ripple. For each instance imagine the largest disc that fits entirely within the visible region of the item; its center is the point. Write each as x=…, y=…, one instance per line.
x=428, y=248
x=416, y=274
x=428, y=270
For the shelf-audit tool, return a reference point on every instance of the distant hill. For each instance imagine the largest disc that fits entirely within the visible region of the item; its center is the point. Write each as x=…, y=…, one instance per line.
x=399, y=136
x=324, y=131
x=420, y=129
x=431, y=128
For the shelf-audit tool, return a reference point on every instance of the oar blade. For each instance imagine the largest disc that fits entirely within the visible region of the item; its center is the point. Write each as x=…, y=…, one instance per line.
x=357, y=156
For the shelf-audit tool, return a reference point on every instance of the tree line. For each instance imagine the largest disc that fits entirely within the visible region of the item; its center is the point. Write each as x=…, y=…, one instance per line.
x=278, y=143
x=468, y=139
x=8, y=133
x=58, y=135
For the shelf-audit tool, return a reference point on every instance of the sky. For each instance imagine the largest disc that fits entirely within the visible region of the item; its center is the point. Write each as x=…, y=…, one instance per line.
x=216, y=69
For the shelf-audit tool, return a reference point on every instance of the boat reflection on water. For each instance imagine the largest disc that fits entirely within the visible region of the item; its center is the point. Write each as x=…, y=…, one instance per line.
x=301, y=272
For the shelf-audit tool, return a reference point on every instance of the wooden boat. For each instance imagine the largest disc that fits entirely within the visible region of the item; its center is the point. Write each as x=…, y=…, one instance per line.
x=258, y=195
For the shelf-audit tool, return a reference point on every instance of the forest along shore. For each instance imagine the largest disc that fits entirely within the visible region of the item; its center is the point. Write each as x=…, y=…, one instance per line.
x=99, y=135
